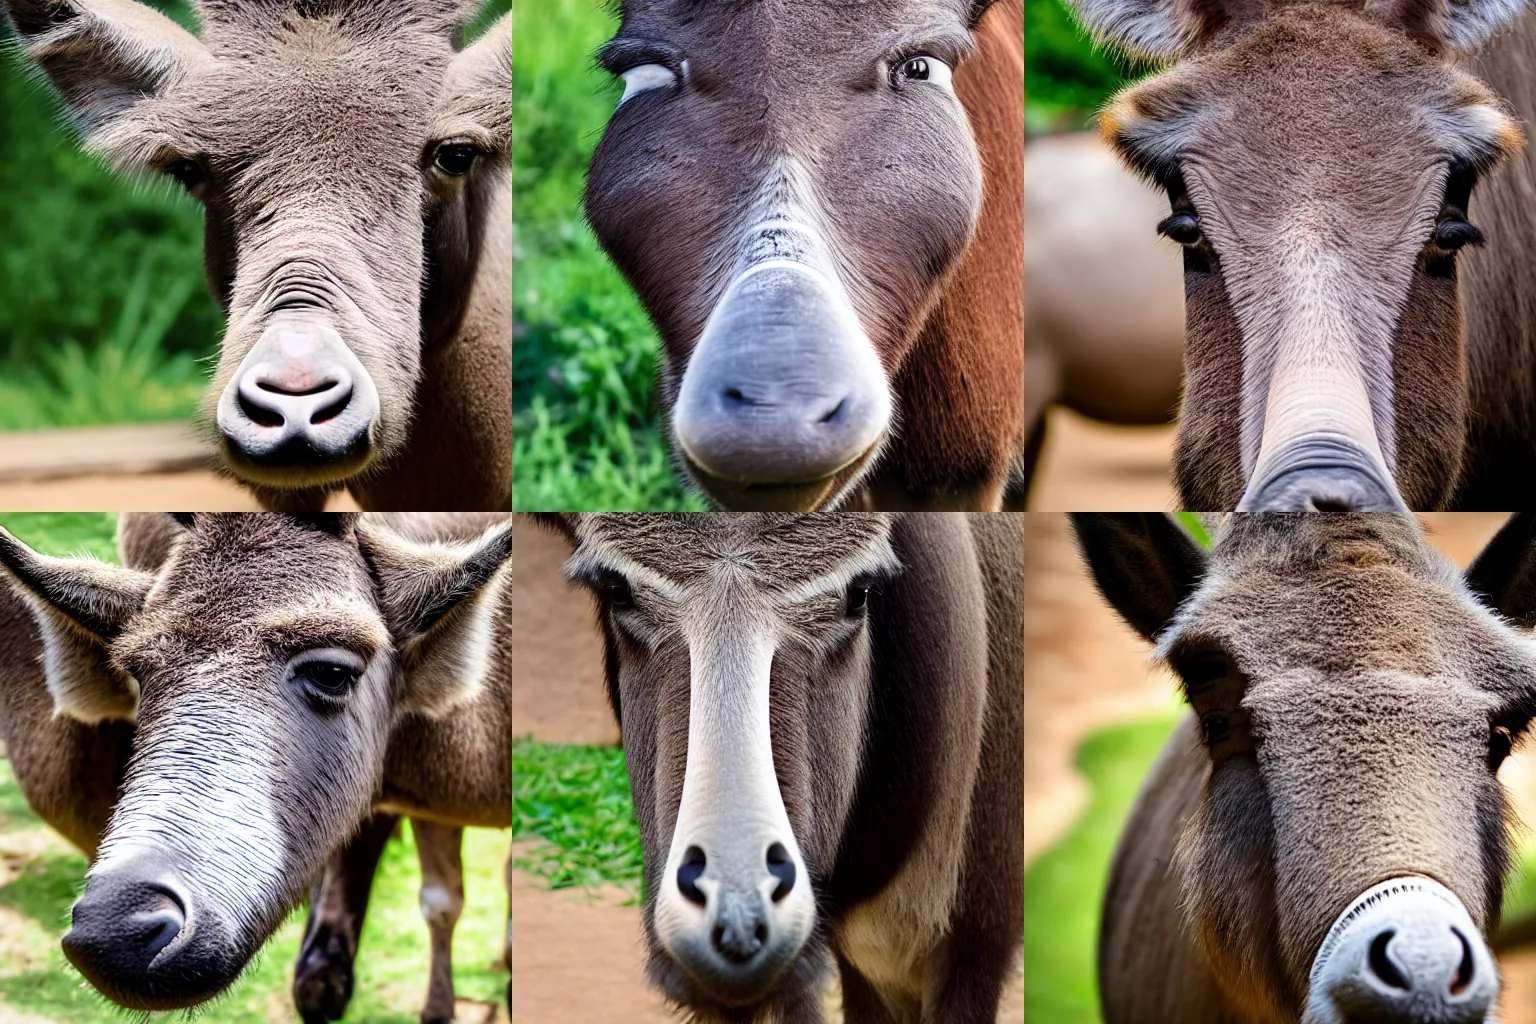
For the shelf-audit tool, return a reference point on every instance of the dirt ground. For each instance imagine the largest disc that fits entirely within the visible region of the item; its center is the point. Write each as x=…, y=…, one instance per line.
x=577, y=958
x=1085, y=669
x=193, y=491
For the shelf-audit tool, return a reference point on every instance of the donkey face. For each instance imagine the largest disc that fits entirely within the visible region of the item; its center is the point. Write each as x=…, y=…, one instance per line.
x=263, y=666
x=1320, y=161
x=1355, y=698
x=739, y=664
x=785, y=186
x=330, y=141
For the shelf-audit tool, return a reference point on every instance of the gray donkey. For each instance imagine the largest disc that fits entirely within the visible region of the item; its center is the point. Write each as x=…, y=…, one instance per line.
x=238, y=712
x=822, y=718
x=1324, y=838
x=353, y=170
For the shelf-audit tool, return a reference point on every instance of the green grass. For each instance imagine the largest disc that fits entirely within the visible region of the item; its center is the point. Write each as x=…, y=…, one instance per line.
x=587, y=430
x=38, y=983
x=575, y=801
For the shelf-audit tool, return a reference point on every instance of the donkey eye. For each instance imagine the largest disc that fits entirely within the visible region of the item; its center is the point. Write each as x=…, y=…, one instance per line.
x=921, y=68
x=857, y=602
x=615, y=591
x=188, y=172
x=1452, y=229
x=1215, y=729
x=1451, y=233
x=1183, y=226
x=1500, y=742
x=455, y=160
x=328, y=677
x=325, y=676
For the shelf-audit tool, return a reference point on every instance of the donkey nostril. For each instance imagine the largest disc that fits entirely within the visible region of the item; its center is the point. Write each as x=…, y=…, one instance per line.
x=259, y=414
x=1381, y=965
x=688, y=873
x=735, y=395
x=274, y=388
x=332, y=409
x=836, y=413
x=782, y=868
x=1330, y=505
x=1464, y=970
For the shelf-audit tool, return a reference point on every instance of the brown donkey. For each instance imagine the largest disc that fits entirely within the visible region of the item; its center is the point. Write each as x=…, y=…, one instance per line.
x=1325, y=838
x=821, y=207
x=822, y=718
x=1325, y=165
x=238, y=711
x=353, y=169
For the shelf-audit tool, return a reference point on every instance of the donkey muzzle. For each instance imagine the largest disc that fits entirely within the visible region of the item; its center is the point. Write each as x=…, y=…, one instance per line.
x=300, y=408
x=734, y=911
x=137, y=936
x=1405, y=952
x=1322, y=475
x=784, y=388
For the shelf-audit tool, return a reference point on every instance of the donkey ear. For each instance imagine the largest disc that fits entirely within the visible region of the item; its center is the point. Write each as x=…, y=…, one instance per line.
x=1456, y=25
x=1144, y=564
x=1155, y=29
x=477, y=93
x=441, y=603
x=1504, y=573
x=79, y=606
x=104, y=56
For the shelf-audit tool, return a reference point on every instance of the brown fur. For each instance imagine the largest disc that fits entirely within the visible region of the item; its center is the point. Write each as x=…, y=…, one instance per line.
x=896, y=749
x=314, y=127
x=942, y=307
x=446, y=762
x=1364, y=685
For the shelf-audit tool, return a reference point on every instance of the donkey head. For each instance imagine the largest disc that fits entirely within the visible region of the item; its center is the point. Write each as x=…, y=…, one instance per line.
x=263, y=666
x=1355, y=697
x=1320, y=159
x=336, y=146
x=738, y=663
x=785, y=186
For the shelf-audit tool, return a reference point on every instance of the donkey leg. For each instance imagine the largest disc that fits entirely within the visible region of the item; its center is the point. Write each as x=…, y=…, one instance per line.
x=439, y=848
x=322, y=975
x=861, y=1004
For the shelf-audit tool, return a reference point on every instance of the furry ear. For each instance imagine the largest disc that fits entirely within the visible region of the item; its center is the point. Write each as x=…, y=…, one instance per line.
x=440, y=602
x=477, y=95
x=104, y=56
x=1144, y=564
x=1460, y=26
x=563, y=523
x=1155, y=29
x=1504, y=572
x=79, y=606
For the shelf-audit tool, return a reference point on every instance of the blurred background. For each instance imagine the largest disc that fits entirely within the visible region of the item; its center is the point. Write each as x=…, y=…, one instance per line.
x=106, y=318
x=1095, y=716
x=586, y=426
x=41, y=874
x=1104, y=316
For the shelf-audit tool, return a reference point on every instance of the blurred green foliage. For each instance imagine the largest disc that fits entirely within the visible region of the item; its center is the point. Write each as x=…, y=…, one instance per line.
x=1066, y=77
x=41, y=874
x=587, y=431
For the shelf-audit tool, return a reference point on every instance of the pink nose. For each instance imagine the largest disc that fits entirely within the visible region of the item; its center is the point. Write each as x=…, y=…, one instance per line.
x=299, y=399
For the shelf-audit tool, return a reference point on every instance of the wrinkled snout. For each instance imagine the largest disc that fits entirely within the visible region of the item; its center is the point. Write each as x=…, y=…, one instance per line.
x=784, y=388
x=735, y=910
x=138, y=937
x=1322, y=475
x=1406, y=952
x=300, y=407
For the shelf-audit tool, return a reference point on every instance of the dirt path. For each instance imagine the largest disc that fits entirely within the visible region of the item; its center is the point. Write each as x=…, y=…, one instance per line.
x=194, y=491
x=577, y=958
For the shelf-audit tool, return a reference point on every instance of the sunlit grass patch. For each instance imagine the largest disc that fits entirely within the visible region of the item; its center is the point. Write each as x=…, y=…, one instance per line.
x=576, y=800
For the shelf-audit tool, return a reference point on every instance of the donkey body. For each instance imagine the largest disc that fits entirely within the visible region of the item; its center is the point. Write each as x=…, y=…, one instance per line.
x=1332, y=170
x=82, y=751
x=822, y=724
x=820, y=206
x=353, y=170
x=1324, y=838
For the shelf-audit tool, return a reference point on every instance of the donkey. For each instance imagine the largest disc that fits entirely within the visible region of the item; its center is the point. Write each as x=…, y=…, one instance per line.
x=1324, y=838
x=1320, y=161
x=820, y=206
x=238, y=712
x=353, y=169
x=822, y=720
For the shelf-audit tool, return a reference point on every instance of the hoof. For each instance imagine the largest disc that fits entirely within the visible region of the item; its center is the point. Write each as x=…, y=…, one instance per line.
x=322, y=979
